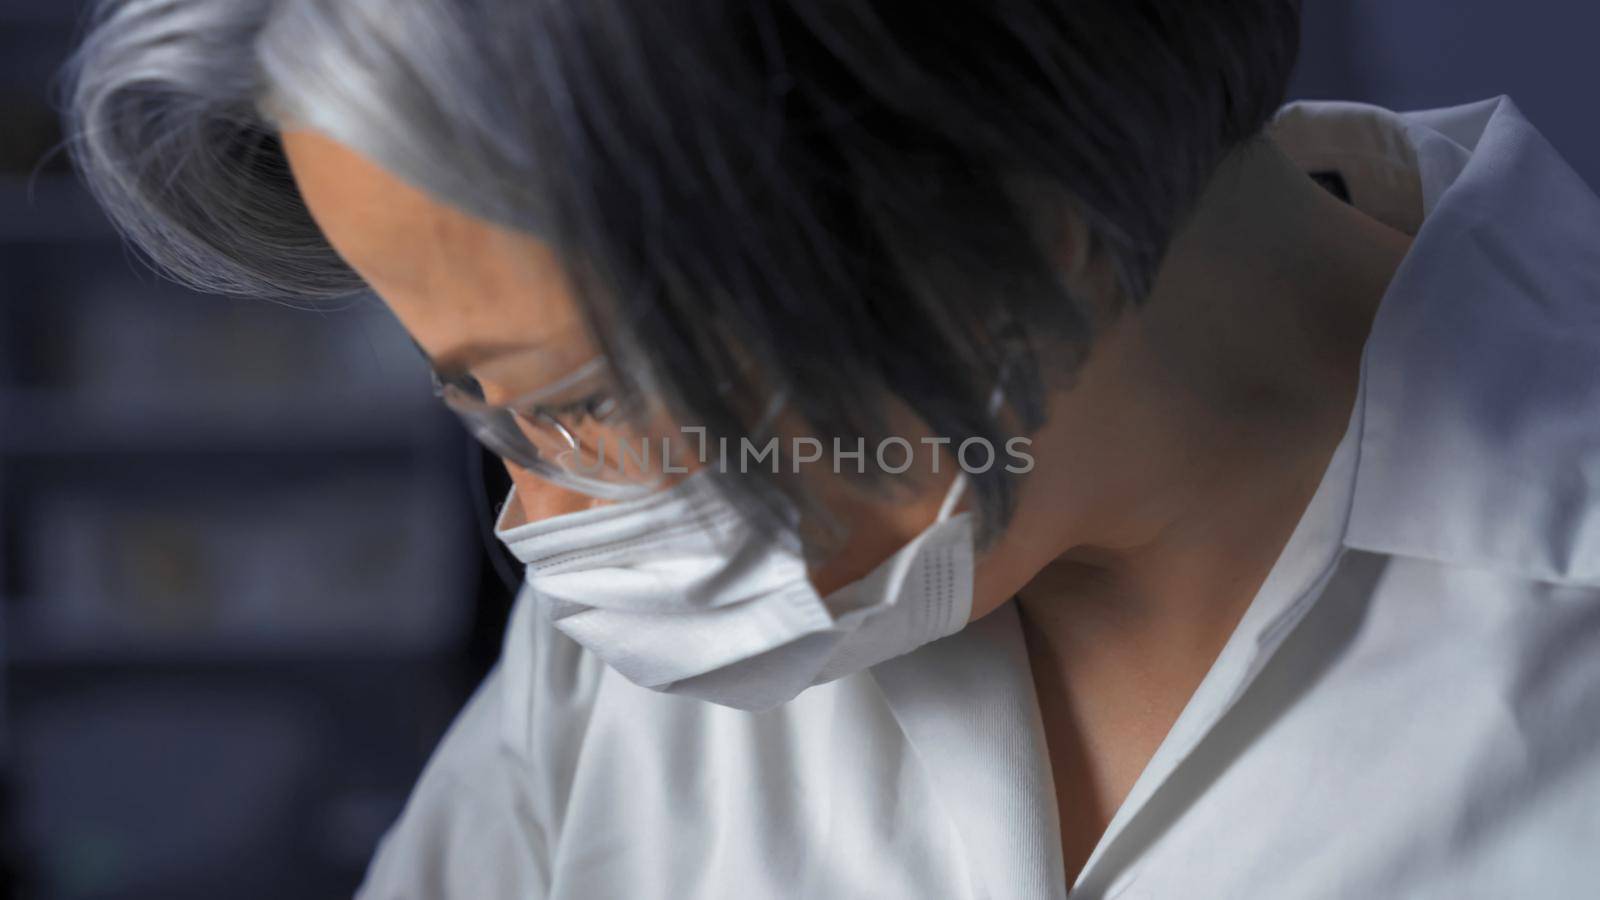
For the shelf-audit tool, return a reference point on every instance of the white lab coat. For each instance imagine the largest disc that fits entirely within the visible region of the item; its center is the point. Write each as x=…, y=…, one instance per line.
x=1410, y=707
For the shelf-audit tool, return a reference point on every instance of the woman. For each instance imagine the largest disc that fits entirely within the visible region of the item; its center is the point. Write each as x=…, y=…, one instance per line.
x=1237, y=533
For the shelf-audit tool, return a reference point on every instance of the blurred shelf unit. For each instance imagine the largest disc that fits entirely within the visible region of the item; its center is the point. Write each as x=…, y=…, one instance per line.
x=240, y=783
x=46, y=423
x=238, y=562
x=187, y=478
x=97, y=357
x=356, y=564
x=64, y=14
x=49, y=207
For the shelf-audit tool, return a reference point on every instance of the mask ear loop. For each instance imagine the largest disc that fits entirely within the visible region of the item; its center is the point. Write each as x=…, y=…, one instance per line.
x=959, y=485
x=901, y=562
x=952, y=497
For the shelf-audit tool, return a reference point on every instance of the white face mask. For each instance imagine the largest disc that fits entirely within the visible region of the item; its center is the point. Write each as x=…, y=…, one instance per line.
x=677, y=594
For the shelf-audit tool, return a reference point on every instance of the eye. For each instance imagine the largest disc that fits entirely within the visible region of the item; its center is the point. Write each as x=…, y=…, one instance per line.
x=588, y=395
x=600, y=406
x=460, y=381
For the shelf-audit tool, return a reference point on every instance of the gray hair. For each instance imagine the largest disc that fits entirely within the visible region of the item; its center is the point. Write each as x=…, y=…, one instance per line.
x=853, y=203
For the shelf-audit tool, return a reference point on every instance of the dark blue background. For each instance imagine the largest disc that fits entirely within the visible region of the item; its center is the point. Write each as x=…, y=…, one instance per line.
x=1416, y=54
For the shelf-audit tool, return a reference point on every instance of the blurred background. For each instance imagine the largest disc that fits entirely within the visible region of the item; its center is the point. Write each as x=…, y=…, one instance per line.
x=246, y=578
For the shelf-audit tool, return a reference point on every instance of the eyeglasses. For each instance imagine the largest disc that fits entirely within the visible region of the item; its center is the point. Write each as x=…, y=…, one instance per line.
x=575, y=432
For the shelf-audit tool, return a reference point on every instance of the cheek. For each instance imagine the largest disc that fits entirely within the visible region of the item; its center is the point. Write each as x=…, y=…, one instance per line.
x=878, y=529
x=539, y=499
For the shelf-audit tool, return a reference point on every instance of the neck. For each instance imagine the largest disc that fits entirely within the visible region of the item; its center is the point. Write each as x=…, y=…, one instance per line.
x=1202, y=420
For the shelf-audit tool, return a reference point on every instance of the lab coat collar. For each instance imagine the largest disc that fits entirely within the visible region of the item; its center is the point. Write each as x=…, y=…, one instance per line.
x=967, y=706
x=1480, y=443
x=1473, y=440
x=1462, y=349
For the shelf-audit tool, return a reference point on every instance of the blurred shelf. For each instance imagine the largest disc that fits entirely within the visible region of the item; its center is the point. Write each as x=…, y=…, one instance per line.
x=240, y=580
x=54, y=422
x=24, y=655
x=31, y=648
x=53, y=208
x=61, y=13
x=236, y=783
x=438, y=636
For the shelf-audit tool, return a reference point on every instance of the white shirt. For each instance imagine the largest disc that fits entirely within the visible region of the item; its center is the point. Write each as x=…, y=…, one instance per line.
x=1410, y=706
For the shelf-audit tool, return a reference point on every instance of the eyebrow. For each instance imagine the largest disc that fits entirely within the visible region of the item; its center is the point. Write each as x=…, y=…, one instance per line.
x=459, y=359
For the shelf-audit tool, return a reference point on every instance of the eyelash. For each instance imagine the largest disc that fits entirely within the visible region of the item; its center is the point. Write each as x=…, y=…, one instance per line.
x=600, y=406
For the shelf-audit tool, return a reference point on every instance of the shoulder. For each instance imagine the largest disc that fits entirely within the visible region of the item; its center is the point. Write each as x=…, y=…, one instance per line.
x=561, y=772
x=472, y=827
x=484, y=815
x=1480, y=442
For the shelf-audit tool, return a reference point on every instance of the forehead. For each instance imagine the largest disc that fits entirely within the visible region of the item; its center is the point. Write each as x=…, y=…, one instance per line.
x=449, y=276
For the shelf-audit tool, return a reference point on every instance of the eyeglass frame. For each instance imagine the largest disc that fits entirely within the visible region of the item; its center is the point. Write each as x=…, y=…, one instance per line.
x=480, y=419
